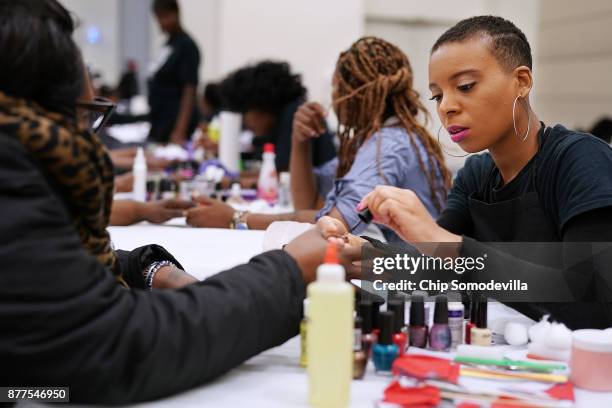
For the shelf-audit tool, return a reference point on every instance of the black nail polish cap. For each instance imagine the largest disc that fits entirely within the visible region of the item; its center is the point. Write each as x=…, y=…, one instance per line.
x=441, y=312
x=417, y=311
x=365, y=215
x=386, y=328
x=397, y=307
x=365, y=312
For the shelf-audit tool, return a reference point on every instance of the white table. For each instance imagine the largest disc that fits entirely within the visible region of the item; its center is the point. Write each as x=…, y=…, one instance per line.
x=273, y=378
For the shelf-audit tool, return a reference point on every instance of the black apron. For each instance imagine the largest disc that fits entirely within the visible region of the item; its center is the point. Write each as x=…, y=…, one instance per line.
x=521, y=219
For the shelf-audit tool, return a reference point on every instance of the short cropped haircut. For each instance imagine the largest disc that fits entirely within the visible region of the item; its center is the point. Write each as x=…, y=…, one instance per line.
x=508, y=43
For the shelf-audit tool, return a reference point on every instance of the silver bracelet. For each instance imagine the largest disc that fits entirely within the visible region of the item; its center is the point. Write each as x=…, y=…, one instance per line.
x=150, y=272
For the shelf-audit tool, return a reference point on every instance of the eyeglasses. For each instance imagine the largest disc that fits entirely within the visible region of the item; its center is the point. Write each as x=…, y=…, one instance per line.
x=94, y=114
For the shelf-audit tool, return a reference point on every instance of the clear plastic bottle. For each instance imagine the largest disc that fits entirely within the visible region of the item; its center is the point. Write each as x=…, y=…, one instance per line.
x=235, y=197
x=139, y=170
x=284, y=191
x=330, y=335
x=267, y=185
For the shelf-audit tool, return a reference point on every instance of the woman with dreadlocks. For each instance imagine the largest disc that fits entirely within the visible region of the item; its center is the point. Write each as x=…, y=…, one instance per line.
x=382, y=142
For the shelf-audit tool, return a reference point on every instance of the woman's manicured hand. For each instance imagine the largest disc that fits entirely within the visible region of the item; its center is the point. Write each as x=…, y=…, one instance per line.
x=403, y=212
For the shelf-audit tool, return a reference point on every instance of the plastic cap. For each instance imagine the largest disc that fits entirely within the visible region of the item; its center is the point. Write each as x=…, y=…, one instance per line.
x=397, y=307
x=417, y=311
x=441, y=312
x=386, y=327
x=140, y=156
x=365, y=312
x=331, y=254
x=236, y=190
x=330, y=273
x=268, y=148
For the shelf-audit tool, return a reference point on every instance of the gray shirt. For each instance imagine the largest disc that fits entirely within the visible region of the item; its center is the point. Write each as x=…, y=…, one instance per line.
x=388, y=152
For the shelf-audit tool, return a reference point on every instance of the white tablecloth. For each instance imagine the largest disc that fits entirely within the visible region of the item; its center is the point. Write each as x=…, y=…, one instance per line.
x=273, y=378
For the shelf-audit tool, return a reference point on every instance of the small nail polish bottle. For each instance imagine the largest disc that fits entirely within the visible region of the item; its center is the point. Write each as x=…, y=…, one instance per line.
x=368, y=338
x=417, y=332
x=385, y=352
x=472, y=322
x=360, y=358
x=480, y=335
x=400, y=338
x=440, y=335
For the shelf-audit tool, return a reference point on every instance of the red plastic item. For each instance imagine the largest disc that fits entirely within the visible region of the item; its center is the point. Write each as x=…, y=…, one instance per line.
x=562, y=391
x=414, y=397
x=268, y=148
x=331, y=254
x=424, y=367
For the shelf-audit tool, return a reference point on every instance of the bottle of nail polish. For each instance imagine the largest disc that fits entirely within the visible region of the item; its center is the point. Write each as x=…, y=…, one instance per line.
x=472, y=322
x=385, y=352
x=368, y=338
x=417, y=332
x=480, y=335
x=360, y=358
x=400, y=337
x=440, y=335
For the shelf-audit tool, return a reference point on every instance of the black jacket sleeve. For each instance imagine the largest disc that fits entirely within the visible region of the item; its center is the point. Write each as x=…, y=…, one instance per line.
x=133, y=263
x=66, y=322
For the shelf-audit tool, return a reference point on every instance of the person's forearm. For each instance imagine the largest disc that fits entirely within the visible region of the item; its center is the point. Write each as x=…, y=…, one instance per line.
x=126, y=212
x=262, y=221
x=186, y=109
x=303, y=185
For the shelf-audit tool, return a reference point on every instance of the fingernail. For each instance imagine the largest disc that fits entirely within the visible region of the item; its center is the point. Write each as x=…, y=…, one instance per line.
x=360, y=206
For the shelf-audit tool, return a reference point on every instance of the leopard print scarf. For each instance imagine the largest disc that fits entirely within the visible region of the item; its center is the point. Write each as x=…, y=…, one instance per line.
x=76, y=162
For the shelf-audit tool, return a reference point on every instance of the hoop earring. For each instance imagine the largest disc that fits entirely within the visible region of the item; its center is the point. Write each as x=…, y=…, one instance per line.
x=444, y=150
x=522, y=139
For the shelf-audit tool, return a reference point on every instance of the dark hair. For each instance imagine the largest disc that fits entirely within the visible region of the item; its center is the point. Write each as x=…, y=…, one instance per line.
x=165, y=5
x=375, y=82
x=268, y=86
x=39, y=60
x=212, y=94
x=602, y=129
x=509, y=44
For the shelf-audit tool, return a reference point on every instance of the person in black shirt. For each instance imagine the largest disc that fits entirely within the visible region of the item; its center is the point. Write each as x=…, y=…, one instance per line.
x=268, y=95
x=536, y=183
x=173, y=80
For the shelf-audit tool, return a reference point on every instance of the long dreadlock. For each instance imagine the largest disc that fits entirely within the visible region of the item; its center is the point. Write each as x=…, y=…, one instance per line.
x=374, y=84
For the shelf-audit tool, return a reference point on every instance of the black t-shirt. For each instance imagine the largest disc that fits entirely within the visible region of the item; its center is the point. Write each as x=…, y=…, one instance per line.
x=323, y=149
x=574, y=176
x=177, y=66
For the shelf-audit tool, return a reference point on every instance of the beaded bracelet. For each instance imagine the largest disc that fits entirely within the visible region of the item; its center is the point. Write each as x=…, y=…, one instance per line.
x=150, y=272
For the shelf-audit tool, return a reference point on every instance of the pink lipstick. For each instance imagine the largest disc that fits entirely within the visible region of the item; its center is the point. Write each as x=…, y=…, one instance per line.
x=458, y=133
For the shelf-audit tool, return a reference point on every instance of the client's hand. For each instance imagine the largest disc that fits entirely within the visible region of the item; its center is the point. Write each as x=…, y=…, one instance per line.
x=331, y=227
x=309, y=248
x=158, y=212
x=210, y=214
x=171, y=277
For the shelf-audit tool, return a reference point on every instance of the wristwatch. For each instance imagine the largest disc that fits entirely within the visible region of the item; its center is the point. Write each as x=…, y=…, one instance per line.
x=239, y=220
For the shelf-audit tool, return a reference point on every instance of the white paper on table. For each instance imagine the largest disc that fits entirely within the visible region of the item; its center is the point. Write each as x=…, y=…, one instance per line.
x=280, y=233
x=131, y=132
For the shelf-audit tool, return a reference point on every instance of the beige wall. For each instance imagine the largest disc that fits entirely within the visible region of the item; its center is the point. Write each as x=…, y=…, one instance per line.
x=414, y=26
x=574, y=76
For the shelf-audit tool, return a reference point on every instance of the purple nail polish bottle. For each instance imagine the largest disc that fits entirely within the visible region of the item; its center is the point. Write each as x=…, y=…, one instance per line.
x=418, y=329
x=440, y=335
